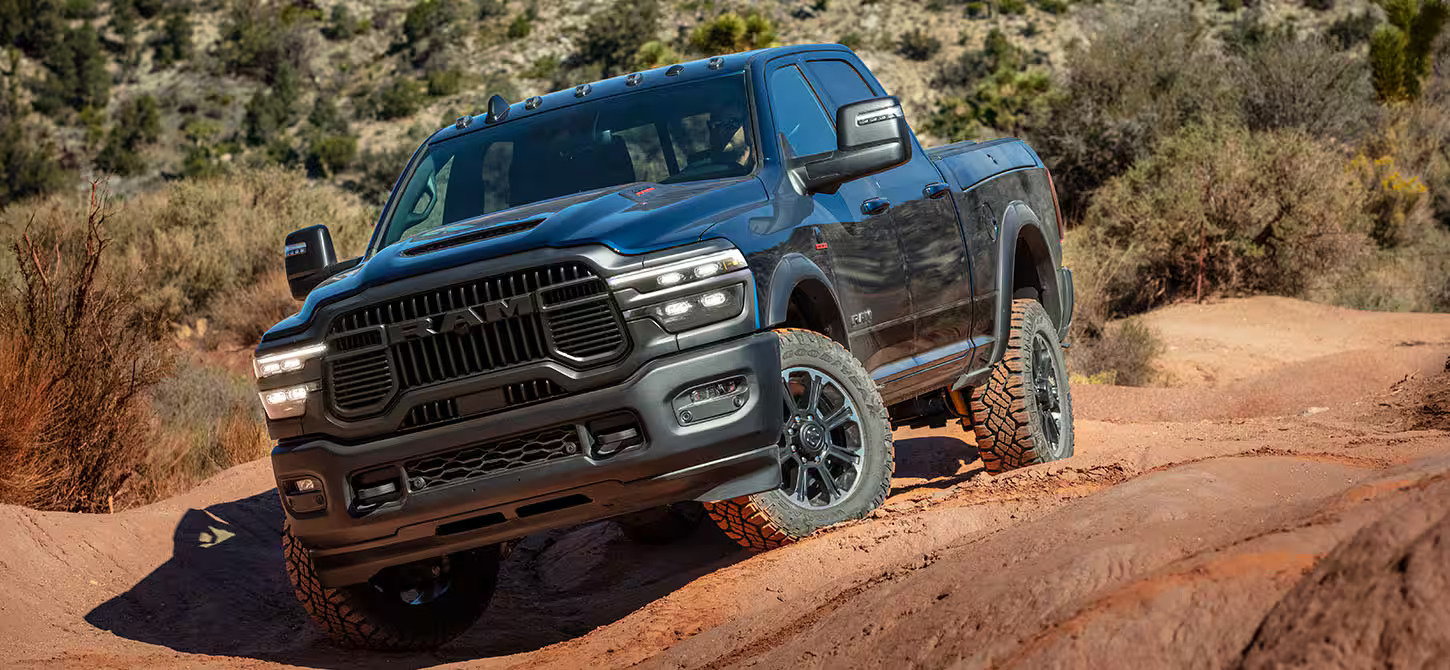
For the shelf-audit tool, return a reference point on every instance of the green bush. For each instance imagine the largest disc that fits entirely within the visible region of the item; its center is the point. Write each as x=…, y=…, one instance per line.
x=325, y=118
x=271, y=111
x=1400, y=52
x=256, y=41
x=444, y=82
x=1012, y=7
x=76, y=73
x=328, y=155
x=138, y=123
x=917, y=45
x=613, y=36
x=399, y=99
x=520, y=27
x=28, y=165
x=654, y=54
x=1002, y=105
x=172, y=43
x=731, y=32
x=1142, y=77
x=1223, y=210
x=341, y=24
x=545, y=67
x=32, y=26
x=1122, y=353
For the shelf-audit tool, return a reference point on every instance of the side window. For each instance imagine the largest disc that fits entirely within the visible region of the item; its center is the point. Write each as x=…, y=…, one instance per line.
x=842, y=83
x=799, y=119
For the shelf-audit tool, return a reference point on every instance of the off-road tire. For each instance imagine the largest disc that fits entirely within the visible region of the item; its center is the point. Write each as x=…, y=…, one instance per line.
x=768, y=520
x=664, y=524
x=1006, y=418
x=359, y=616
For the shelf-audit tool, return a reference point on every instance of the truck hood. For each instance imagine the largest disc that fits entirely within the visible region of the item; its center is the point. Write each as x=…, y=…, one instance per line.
x=632, y=219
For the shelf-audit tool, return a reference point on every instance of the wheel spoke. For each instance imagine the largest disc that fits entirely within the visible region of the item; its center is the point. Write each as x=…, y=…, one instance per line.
x=828, y=484
x=839, y=417
x=802, y=482
x=813, y=395
x=841, y=454
x=788, y=397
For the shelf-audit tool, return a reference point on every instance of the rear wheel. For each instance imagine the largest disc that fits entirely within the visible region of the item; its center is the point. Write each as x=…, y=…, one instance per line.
x=835, y=451
x=419, y=605
x=1022, y=414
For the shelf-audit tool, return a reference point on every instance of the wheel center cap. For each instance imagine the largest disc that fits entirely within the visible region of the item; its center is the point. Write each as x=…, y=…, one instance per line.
x=812, y=437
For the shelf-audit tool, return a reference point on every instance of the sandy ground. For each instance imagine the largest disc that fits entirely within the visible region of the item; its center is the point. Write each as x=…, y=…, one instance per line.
x=1288, y=503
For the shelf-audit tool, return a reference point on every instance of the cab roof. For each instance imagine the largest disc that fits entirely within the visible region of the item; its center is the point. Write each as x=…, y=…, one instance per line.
x=695, y=70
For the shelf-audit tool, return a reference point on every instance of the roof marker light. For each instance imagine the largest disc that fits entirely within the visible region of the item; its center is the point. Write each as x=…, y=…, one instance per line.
x=582, y=90
x=533, y=103
x=633, y=79
x=463, y=122
x=716, y=63
x=674, y=70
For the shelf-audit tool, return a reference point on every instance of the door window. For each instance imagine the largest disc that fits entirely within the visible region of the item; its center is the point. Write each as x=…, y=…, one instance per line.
x=842, y=83
x=799, y=118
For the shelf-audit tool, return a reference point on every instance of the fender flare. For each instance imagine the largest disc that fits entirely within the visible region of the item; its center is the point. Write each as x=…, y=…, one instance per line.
x=1019, y=223
x=790, y=272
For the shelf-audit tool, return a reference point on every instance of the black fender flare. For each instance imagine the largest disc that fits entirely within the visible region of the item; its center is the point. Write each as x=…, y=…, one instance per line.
x=790, y=272
x=1020, y=223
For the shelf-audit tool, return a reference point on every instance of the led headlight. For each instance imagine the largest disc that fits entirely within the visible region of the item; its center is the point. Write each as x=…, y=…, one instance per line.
x=286, y=402
x=682, y=272
x=285, y=361
x=700, y=309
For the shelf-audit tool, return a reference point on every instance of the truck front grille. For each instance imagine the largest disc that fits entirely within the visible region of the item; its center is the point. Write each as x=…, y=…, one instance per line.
x=489, y=458
x=570, y=317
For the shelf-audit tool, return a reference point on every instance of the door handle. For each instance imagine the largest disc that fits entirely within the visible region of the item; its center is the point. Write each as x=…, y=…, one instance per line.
x=934, y=190
x=874, y=206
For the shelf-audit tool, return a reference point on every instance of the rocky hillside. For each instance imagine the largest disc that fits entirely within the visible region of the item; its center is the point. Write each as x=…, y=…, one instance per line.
x=149, y=90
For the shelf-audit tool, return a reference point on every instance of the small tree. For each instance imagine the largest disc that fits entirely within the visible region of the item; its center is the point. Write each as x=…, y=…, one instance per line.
x=1400, y=50
x=330, y=154
x=137, y=123
x=730, y=33
x=917, y=45
x=173, y=43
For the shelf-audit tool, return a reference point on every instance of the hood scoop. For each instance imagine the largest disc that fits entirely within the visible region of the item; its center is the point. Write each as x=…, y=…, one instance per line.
x=471, y=237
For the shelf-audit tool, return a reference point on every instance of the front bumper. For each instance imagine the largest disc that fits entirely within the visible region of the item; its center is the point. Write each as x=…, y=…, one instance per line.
x=710, y=459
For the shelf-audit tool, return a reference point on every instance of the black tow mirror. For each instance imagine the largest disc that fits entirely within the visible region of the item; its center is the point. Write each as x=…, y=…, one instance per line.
x=871, y=136
x=309, y=258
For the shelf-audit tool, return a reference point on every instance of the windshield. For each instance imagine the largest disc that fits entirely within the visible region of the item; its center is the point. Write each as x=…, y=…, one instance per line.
x=668, y=135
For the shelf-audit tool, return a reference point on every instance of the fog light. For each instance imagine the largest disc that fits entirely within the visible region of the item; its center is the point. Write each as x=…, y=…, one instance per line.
x=700, y=309
x=304, y=495
x=708, y=401
x=286, y=402
x=680, y=308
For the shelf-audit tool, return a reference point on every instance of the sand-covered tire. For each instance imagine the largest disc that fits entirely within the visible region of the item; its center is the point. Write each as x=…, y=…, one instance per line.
x=378, y=615
x=1022, y=414
x=664, y=524
x=835, y=454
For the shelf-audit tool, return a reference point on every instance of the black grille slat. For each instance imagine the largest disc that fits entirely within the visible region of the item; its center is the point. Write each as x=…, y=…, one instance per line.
x=493, y=457
x=572, y=310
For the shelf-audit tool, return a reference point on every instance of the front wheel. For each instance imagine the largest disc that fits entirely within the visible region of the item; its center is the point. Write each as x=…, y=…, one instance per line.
x=835, y=451
x=406, y=607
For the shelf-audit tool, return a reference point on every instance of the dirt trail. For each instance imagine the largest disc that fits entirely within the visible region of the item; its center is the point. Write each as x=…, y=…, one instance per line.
x=1180, y=534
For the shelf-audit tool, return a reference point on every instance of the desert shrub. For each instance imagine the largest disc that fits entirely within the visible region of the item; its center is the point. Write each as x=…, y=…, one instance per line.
x=1004, y=104
x=255, y=40
x=172, y=44
x=380, y=170
x=1052, y=6
x=31, y=25
x=1122, y=353
x=27, y=159
x=731, y=32
x=324, y=116
x=138, y=123
x=444, y=82
x=330, y=154
x=76, y=75
x=1306, y=84
x=1223, y=210
x=341, y=24
x=520, y=27
x=398, y=99
x=1401, y=51
x=654, y=54
x=613, y=36
x=544, y=67
x=1141, y=77
x=207, y=419
x=432, y=24
x=997, y=54
x=1012, y=7
x=252, y=310
x=918, y=45
x=1320, y=5
x=77, y=339
x=273, y=109
x=1352, y=29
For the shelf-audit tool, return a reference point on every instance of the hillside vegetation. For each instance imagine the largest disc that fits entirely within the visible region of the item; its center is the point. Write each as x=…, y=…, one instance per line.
x=1200, y=149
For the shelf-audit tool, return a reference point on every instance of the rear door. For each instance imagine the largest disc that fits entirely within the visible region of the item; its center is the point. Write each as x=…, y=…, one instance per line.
x=922, y=211
x=863, y=249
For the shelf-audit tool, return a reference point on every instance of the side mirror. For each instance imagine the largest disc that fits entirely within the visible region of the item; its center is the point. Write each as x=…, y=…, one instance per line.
x=309, y=258
x=871, y=136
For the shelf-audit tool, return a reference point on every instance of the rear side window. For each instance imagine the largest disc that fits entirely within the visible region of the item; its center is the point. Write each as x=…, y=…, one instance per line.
x=802, y=123
x=842, y=83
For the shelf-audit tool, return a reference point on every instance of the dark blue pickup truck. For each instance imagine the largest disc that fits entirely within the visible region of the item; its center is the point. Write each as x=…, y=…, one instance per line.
x=710, y=289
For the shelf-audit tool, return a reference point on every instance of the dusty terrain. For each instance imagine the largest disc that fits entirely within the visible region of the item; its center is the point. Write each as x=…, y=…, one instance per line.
x=1288, y=502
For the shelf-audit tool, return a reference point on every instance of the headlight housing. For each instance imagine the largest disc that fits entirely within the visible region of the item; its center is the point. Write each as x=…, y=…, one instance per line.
x=285, y=361
x=287, y=402
x=681, y=272
x=692, y=311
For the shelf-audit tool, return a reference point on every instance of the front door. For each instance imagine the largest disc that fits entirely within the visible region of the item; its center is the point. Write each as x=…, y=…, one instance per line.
x=861, y=243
